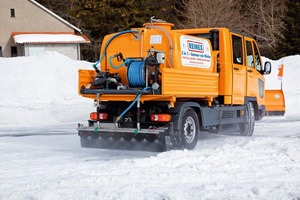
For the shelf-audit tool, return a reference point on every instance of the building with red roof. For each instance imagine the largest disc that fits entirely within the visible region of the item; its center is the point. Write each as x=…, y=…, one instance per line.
x=28, y=29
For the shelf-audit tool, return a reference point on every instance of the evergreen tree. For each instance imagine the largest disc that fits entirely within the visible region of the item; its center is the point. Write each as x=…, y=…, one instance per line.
x=99, y=18
x=96, y=18
x=289, y=37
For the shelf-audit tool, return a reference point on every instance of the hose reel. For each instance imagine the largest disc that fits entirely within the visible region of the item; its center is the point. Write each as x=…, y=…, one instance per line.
x=138, y=72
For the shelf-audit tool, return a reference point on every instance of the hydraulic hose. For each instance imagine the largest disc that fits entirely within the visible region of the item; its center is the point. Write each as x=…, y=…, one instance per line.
x=130, y=106
x=114, y=66
x=108, y=42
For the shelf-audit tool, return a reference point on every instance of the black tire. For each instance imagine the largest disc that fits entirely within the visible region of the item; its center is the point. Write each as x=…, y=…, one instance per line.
x=247, y=128
x=187, y=137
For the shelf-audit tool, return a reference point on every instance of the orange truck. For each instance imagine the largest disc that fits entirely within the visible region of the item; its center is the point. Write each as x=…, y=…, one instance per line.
x=158, y=84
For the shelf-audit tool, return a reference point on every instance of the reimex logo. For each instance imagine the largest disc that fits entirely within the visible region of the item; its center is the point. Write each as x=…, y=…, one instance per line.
x=195, y=46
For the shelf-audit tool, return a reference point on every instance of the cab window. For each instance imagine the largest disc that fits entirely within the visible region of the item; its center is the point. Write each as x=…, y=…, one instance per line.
x=237, y=49
x=249, y=53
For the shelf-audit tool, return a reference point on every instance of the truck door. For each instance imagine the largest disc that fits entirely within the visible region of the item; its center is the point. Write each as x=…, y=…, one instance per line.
x=239, y=70
x=255, y=80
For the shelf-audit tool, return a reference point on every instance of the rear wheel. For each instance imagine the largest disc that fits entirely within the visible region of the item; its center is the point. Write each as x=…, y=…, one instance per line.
x=187, y=137
x=247, y=128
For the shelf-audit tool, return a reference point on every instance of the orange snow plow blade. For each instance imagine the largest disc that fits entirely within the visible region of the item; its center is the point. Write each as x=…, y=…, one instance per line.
x=275, y=103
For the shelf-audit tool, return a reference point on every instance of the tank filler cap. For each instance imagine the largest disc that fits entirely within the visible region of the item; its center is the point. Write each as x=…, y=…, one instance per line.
x=152, y=19
x=159, y=22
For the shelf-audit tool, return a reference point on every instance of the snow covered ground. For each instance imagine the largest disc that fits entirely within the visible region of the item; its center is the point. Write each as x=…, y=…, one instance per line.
x=41, y=157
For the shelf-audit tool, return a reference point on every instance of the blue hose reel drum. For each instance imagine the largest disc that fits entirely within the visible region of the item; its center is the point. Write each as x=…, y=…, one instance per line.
x=136, y=73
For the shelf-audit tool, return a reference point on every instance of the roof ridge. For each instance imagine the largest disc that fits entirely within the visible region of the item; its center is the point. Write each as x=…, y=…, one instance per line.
x=55, y=15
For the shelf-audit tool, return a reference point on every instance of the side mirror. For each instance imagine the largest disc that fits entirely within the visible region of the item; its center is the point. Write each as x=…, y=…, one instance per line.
x=267, y=68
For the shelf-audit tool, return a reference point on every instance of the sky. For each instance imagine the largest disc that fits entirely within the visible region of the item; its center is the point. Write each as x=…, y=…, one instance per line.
x=41, y=157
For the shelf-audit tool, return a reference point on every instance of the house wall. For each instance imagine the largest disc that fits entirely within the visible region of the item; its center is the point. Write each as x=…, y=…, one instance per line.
x=69, y=50
x=28, y=18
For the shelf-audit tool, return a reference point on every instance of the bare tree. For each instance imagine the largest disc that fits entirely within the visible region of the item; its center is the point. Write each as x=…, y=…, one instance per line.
x=258, y=18
x=263, y=20
x=209, y=13
x=60, y=7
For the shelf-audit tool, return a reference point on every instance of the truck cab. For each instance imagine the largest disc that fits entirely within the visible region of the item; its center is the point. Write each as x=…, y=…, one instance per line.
x=240, y=67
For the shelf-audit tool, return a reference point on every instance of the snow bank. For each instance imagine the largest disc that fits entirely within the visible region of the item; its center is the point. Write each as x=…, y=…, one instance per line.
x=42, y=90
x=290, y=82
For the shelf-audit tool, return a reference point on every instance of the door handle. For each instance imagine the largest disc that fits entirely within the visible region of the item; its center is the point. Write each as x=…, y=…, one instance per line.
x=249, y=70
x=236, y=68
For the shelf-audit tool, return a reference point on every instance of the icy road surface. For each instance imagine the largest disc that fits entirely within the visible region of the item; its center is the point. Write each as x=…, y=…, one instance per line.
x=50, y=164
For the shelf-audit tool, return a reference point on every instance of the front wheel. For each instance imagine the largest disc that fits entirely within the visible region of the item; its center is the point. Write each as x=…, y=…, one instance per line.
x=247, y=128
x=187, y=137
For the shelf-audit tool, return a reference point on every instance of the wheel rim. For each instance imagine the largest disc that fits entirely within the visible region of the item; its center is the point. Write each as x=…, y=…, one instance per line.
x=189, y=129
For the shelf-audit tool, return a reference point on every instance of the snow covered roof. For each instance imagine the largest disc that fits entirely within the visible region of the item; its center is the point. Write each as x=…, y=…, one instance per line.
x=49, y=38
